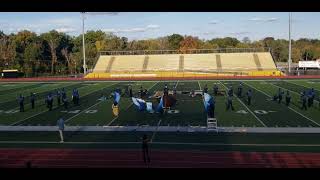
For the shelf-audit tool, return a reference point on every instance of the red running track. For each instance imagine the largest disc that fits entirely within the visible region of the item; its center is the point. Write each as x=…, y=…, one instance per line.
x=75, y=158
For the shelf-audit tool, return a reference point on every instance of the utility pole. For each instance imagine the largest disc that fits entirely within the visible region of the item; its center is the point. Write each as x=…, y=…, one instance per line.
x=289, y=60
x=83, y=46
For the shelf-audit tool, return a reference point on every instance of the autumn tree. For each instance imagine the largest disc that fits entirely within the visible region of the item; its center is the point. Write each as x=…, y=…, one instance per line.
x=188, y=43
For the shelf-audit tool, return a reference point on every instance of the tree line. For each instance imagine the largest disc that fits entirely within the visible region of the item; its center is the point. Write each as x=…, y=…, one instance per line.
x=55, y=53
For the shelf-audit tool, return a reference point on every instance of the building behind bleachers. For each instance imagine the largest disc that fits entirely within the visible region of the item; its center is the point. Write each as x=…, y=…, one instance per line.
x=175, y=64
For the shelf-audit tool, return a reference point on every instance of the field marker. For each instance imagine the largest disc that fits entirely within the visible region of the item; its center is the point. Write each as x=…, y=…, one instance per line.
x=15, y=123
x=288, y=107
x=245, y=107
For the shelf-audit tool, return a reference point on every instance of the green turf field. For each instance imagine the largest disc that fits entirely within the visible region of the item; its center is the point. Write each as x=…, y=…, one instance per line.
x=189, y=111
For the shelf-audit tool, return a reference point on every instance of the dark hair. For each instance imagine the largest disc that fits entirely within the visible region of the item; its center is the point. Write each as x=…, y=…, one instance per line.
x=145, y=136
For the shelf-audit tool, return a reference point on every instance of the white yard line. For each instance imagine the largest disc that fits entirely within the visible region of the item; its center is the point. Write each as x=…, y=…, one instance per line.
x=17, y=122
x=288, y=107
x=297, y=85
x=199, y=86
x=176, y=85
x=82, y=112
x=302, y=85
x=41, y=99
x=154, y=133
x=47, y=110
x=245, y=106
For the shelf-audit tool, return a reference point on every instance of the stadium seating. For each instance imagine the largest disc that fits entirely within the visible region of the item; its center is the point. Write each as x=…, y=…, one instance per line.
x=185, y=65
x=163, y=62
x=200, y=62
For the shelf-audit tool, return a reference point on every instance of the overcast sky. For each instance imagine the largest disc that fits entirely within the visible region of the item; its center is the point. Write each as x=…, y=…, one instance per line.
x=142, y=25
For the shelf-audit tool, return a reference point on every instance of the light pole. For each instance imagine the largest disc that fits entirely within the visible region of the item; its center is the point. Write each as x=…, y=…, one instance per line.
x=83, y=45
x=289, y=60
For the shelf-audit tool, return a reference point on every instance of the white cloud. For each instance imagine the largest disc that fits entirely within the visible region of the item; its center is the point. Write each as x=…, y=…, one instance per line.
x=208, y=33
x=66, y=29
x=271, y=19
x=153, y=26
x=61, y=21
x=103, y=13
x=133, y=30
x=240, y=33
x=214, y=22
x=264, y=19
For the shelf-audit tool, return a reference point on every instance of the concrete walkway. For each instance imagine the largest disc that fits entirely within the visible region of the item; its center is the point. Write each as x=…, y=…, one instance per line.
x=164, y=129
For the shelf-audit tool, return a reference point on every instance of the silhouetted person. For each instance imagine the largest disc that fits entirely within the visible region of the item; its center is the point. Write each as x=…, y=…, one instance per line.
x=239, y=92
x=28, y=164
x=32, y=99
x=21, y=103
x=229, y=103
x=249, y=96
x=215, y=90
x=145, y=148
x=205, y=89
x=280, y=94
x=59, y=97
x=130, y=91
x=288, y=98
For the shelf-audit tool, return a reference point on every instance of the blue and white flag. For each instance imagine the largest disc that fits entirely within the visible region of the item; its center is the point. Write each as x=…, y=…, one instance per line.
x=139, y=103
x=160, y=105
x=116, y=97
x=207, y=100
x=142, y=105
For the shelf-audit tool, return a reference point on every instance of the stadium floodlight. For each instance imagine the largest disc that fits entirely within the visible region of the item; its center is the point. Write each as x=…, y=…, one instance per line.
x=83, y=41
x=83, y=45
x=289, y=60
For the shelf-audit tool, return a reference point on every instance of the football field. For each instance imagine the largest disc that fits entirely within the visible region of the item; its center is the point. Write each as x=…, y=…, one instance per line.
x=189, y=111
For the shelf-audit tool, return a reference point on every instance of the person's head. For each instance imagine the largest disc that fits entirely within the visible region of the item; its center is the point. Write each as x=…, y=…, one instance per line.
x=145, y=136
x=115, y=103
x=287, y=91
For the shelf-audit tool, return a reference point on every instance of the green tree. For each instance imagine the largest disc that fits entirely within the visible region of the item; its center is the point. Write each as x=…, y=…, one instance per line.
x=52, y=39
x=174, y=41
